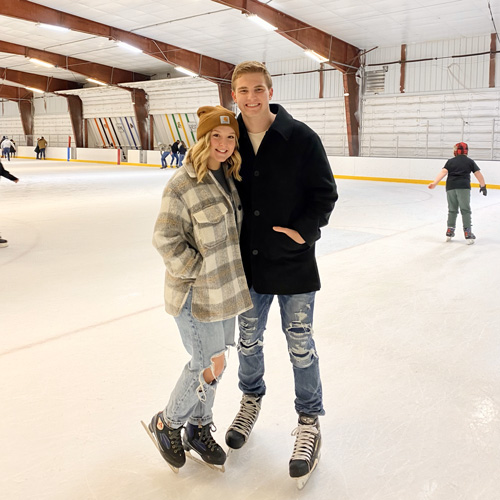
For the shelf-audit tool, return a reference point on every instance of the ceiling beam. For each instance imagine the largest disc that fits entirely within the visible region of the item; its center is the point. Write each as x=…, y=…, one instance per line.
x=341, y=55
x=41, y=82
x=206, y=67
x=106, y=74
x=12, y=93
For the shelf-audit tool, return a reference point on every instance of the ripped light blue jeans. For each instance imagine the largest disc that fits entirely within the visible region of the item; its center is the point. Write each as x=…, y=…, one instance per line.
x=192, y=398
x=296, y=322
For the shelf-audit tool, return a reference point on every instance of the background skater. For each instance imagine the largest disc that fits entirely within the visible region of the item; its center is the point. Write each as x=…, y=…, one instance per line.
x=458, y=170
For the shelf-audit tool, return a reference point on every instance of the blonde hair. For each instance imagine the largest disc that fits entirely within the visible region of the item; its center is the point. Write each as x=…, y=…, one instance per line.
x=199, y=155
x=251, y=67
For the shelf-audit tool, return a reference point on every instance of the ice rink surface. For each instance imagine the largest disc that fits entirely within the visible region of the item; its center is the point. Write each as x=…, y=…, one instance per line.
x=406, y=326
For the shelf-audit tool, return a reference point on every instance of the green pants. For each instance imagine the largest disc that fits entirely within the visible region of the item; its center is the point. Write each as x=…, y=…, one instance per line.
x=459, y=198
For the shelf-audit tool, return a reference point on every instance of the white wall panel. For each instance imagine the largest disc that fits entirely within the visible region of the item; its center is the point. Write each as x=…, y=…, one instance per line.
x=112, y=101
x=333, y=84
x=50, y=105
x=12, y=127
x=327, y=118
x=429, y=125
x=443, y=72
x=8, y=109
x=295, y=79
x=179, y=95
x=54, y=128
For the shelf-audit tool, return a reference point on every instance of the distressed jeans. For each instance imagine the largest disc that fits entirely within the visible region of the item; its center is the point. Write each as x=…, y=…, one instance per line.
x=296, y=322
x=192, y=398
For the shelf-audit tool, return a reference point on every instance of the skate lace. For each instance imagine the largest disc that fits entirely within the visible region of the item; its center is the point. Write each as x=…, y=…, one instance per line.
x=207, y=438
x=175, y=439
x=246, y=416
x=304, y=442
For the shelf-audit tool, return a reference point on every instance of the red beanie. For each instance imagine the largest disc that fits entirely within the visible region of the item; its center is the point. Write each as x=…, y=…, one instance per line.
x=461, y=148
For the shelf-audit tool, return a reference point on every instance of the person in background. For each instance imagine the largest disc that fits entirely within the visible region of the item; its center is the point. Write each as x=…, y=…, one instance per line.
x=197, y=235
x=7, y=175
x=458, y=188
x=288, y=193
x=175, y=153
x=42, y=144
x=6, y=144
x=13, y=150
x=182, y=152
x=165, y=153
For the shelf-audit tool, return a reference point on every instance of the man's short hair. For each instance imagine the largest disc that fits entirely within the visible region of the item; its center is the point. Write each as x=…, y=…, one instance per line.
x=251, y=67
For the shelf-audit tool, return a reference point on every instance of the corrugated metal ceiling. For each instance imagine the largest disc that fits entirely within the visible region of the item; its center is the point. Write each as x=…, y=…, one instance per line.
x=214, y=30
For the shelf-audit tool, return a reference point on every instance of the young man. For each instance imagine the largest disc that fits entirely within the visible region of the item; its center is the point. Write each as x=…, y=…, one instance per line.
x=288, y=193
x=458, y=170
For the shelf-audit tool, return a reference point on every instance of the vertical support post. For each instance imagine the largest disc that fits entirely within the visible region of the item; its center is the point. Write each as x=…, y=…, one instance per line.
x=26, y=112
x=493, y=48
x=351, y=103
x=140, y=102
x=225, y=97
x=75, y=107
x=151, y=132
x=402, y=76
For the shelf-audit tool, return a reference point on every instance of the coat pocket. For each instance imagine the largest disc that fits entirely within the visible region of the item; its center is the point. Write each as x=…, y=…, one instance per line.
x=210, y=226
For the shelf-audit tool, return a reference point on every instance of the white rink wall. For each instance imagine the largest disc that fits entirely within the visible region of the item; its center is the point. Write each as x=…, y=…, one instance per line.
x=403, y=169
x=413, y=170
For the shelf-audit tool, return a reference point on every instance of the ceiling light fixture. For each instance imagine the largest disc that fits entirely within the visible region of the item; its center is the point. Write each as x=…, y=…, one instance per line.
x=315, y=56
x=38, y=62
x=52, y=27
x=127, y=46
x=186, y=71
x=93, y=80
x=33, y=89
x=263, y=24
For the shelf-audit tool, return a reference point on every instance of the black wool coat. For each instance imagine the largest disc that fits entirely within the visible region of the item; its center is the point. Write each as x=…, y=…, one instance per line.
x=289, y=183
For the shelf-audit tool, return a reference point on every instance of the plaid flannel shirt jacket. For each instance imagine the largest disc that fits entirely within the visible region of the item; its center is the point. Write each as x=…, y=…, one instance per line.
x=197, y=235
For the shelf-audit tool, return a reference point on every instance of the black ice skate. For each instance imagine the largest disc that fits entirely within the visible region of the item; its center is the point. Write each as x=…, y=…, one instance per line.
x=167, y=440
x=239, y=431
x=469, y=235
x=450, y=233
x=199, y=438
x=306, y=451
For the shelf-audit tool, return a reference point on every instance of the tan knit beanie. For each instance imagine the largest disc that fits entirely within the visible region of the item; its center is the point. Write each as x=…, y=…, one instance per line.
x=213, y=116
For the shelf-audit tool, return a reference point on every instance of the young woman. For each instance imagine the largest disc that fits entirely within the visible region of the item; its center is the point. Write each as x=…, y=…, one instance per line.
x=197, y=234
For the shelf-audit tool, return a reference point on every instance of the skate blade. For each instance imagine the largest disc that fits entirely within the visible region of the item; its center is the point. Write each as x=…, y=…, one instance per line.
x=470, y=242
x=219, y=468
x=448, y=238
x=302, y=481
x=151, y=435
